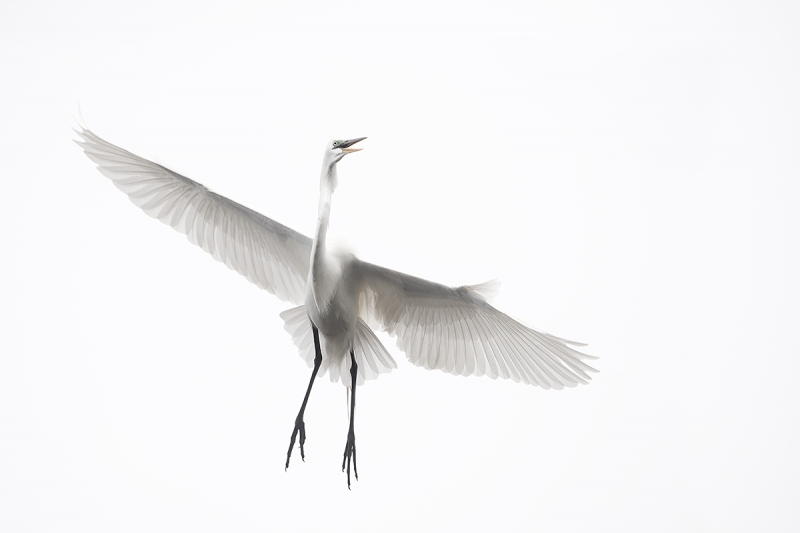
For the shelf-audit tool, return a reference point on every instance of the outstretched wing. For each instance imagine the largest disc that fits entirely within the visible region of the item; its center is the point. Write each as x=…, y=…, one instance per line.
x=269, y=254
x=457, y=331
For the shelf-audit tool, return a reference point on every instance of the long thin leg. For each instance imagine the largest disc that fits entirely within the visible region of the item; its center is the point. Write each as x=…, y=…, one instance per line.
x=350, y=447
x=299, y=425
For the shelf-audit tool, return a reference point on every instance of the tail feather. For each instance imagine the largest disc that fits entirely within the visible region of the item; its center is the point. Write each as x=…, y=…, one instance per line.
x=372, y=357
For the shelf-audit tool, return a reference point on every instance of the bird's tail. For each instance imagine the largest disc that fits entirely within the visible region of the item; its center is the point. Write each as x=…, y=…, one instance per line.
x=371, y=356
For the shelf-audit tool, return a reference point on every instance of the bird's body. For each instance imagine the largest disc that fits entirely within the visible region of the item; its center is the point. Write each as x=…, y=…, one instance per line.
x=334, y=310
x=332, y=290
x=438, y=327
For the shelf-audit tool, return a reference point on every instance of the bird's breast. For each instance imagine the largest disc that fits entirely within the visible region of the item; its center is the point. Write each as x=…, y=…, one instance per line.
x=336, y=315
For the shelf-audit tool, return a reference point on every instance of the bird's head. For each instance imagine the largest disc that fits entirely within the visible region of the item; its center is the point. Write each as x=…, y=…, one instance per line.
x=337, y=149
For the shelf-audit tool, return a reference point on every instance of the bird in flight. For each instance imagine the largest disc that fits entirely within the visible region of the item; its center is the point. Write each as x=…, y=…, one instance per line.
x=453, y=329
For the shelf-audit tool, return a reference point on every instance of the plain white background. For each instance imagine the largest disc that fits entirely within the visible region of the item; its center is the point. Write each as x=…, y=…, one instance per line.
x=629, y=171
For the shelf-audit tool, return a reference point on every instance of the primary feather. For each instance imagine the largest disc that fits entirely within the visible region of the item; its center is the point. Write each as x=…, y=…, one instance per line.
x=455, y=330
x=267, y=253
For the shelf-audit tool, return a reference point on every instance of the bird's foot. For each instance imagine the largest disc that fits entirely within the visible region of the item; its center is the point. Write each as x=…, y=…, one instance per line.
x=350, y=451
x=299, y=427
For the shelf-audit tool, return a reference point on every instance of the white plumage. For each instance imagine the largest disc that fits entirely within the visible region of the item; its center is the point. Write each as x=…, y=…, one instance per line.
x=267, y=253
x=438, y=327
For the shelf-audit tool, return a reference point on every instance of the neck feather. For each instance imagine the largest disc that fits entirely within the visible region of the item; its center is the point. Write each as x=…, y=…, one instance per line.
x=327, y=184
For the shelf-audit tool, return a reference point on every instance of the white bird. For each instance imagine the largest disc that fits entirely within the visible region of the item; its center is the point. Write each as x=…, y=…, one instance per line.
x=438, y=327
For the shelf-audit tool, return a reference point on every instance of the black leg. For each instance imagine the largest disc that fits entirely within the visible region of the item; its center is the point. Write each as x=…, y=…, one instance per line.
x=299, y=425
x=350, y=447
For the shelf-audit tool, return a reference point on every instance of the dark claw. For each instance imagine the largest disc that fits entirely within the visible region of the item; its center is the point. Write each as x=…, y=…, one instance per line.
x=350, y=455
x=355, y=469
x=299, y=427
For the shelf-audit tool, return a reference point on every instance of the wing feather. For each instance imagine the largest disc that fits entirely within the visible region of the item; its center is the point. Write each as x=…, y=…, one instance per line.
x=461, y=348
x=450, y=345
x=494, y=369
x=471, y=357
x=269, y=254
x=457, y=331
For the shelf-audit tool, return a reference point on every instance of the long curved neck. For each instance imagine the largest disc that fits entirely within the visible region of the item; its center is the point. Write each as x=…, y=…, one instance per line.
x=327, y=183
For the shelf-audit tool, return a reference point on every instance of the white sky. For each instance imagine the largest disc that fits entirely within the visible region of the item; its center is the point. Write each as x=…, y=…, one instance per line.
x=630, y=172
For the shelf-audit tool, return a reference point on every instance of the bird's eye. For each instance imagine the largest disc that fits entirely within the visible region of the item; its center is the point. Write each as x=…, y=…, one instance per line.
x=335, y=143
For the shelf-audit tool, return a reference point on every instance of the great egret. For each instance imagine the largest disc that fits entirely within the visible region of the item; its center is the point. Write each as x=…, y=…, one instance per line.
x=438, y=327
